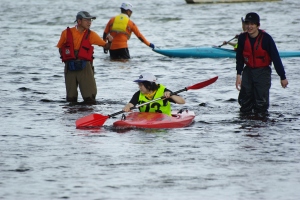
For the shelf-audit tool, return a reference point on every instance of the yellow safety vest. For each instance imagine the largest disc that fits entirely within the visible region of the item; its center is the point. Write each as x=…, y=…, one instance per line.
x=120, y=24
x=235, y=46
x=160, y=106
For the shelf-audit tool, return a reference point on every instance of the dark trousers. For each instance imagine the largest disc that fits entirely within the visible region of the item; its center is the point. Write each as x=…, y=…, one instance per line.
x=119, y=53
x=254, y=93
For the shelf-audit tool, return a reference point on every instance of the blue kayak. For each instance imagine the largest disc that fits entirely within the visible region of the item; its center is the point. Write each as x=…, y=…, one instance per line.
x=210, y=52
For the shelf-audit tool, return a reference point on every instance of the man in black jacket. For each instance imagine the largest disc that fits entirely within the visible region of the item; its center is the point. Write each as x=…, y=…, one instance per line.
x=256, y=51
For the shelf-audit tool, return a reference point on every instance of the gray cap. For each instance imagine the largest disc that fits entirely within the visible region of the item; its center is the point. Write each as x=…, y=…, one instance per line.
x=84, y=15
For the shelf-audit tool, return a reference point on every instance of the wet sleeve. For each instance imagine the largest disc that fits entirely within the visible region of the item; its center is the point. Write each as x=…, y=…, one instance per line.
x=270, y=46
x=239, y=54
x=104, y=36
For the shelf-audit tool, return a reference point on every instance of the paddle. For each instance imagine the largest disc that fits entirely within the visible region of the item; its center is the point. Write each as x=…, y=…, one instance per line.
x=96, y=120
x=227, y=41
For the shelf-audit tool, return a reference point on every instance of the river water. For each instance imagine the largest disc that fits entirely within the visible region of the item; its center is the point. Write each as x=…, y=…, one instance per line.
x=222, y=155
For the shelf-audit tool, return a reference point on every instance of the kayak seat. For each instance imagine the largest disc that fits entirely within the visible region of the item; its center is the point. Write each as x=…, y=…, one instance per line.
x=175, y=115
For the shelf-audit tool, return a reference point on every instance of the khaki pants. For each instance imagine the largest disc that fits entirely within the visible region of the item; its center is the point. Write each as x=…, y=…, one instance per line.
x=86, y=82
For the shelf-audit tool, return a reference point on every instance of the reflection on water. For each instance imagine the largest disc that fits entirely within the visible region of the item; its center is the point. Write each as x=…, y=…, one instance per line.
x=222, y=155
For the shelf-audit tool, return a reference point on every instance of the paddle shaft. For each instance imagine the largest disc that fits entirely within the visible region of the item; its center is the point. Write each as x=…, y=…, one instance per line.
x=227, y=42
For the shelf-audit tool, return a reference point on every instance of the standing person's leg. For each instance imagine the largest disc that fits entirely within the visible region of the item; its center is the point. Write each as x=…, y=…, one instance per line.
x=246, y=96
x=262, y=85
x=87, y=84
x=71, y=85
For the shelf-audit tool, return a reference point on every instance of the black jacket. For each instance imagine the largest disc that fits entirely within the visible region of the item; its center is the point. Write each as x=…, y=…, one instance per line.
x=268, y=44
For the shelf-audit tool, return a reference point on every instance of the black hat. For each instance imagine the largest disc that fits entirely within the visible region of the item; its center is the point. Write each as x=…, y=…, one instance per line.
x=252, y=17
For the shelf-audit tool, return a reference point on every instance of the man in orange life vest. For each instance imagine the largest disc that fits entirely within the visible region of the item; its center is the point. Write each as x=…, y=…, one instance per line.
x=257, y=51
x=121, y=27
x=76, y=50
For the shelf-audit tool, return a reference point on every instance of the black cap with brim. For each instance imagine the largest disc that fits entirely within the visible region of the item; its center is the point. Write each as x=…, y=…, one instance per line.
x=252, y=17
x=84, y=15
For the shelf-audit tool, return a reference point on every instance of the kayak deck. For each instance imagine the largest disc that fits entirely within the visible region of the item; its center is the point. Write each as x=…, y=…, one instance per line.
x=197, y=52
x=225, y=1
x=156, y=120
x=210, y=52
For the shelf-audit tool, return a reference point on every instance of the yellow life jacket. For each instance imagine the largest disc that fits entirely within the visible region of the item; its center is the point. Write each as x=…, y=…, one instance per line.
x=120, y=25
x=160, y=106
x=235, y=46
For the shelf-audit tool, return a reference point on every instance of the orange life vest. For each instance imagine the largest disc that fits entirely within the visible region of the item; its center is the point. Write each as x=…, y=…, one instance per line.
x=257, y=57
x=85, y=51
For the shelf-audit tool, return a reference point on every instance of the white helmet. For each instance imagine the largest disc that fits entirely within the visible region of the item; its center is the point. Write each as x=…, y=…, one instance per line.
x=126, y=6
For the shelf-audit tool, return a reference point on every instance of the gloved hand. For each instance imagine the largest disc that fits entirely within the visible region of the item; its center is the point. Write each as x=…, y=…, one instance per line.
x=105, y=51
x=152, y=46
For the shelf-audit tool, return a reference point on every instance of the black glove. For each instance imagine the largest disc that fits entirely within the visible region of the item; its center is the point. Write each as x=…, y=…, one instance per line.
x=104, y=38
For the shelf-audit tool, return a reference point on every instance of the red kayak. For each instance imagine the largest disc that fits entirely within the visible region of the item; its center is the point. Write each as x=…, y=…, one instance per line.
x=156, y=120
x=146, y=120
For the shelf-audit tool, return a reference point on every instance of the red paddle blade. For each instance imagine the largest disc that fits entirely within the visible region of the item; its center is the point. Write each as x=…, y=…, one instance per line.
x=202, y=84
x=92, y=120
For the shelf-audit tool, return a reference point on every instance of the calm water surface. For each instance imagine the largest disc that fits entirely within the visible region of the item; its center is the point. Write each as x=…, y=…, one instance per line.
x=222, y=155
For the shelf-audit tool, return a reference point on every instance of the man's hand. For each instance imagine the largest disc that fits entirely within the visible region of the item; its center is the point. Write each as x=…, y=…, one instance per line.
x=284, y=83
x=238, y=82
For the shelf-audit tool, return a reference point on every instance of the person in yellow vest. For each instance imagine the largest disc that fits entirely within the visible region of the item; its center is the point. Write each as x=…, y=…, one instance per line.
x=76, y=50
x=149, y=90
x=121, y=27
x=235, y=44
